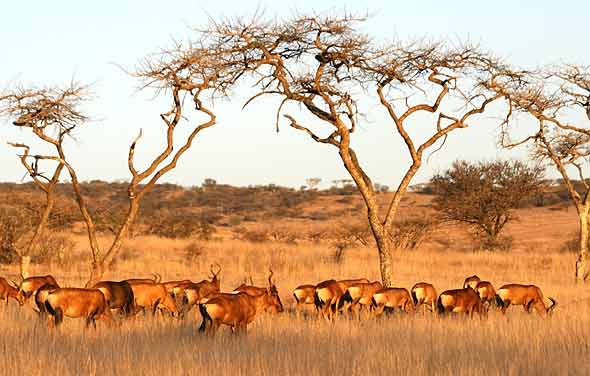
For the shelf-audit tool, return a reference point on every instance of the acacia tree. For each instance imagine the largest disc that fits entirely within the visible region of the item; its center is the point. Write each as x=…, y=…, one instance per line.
x=185, y=73
x=51, y=114
x=325, y=65
x=558, y=101
x=483, y=195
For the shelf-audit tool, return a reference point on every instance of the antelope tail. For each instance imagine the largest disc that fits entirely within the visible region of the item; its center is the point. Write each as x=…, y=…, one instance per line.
x=499, y=302
x=346, y=298
x=414, y=298
x=373, y=303
x=296, y=298
x=316, y=300
x=439, y=306
x=56, y=313
x=206, y=318
x=553, y=305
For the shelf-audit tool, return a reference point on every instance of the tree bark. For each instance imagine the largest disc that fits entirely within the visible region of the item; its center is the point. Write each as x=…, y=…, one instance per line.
x=582, y=272
x=101, y=264
x=25, y=261
x=385, y=249
x=25, y=257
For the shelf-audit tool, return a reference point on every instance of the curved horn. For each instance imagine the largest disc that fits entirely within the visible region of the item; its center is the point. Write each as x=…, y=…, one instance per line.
x=214, y=273
x=553, y=305
x=14, y=284
x=157, y=277
x=251, y=280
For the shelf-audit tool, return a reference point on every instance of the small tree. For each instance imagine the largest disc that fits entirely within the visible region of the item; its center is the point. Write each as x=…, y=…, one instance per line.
x=485, y=194
x=51, y=114
x=312, y=183
x=557, y=100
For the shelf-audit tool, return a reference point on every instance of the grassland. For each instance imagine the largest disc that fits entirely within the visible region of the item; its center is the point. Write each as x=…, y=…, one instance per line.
x=289, y=344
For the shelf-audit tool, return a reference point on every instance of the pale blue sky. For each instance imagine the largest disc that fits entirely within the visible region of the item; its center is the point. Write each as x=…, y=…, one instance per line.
x=49, y=42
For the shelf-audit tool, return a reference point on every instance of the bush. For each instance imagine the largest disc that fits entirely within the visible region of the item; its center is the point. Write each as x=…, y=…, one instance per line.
x=572, y=245
x=410, y=233
x=484, y=195
x=15, y=230
x=498, y=243
x=53, y=248
x=193, y=251
x=253, y=236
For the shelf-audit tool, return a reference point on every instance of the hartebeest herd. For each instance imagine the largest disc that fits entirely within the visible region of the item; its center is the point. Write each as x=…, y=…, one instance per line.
x=238, y=308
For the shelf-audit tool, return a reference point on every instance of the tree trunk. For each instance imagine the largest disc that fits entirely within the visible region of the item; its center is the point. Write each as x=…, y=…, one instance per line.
x=25, y=261
x=25, y=257
x=385, y=249
x=102, y=264
x=582, y=272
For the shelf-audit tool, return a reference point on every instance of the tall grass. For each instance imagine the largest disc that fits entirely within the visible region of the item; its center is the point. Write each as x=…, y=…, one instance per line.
x=291, y=344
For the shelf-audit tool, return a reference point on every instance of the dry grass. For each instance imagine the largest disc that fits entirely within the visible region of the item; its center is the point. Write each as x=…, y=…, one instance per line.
x=291, y=345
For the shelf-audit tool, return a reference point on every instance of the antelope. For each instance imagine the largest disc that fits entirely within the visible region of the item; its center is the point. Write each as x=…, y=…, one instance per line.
x=171, y=285
x=303, y=294
x=193, y=293
x=157, y=278
x=8, y=290
x=464, y=300
x=529, y=296
x=471, y=281
x=255, y=290
x=328, y=294
x=41, y=298
x=153, y=296
x=118, y=295
x=392, y=298
x=360, y=295
x=236, y=310
x=486, y=292
x=29, y=286
x=424, y=294
x=77, y=302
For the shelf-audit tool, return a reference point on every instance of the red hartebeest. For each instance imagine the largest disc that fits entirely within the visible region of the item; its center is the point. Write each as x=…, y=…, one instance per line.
x=77, y=302
x=528, y=296
x=463, y=300
x=41, y=297
x=119, y=296
x=153, y=296
x=29, y=286
x=303, y=294
x=156, y=279
x=359, y=295
x=236, y=310
x=471, y=281
x=187, y=295
x=328, y=294
x=486, y=292
x=424, y=294
x=255, y=290
x=8, y=290
x=392, y=298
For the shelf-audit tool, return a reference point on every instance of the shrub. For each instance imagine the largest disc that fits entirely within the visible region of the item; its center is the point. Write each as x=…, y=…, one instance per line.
x=482, y=242
x=253, y=236
x=572, y=245
x=410, y=233
x=193, y=251
x=53, y=248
